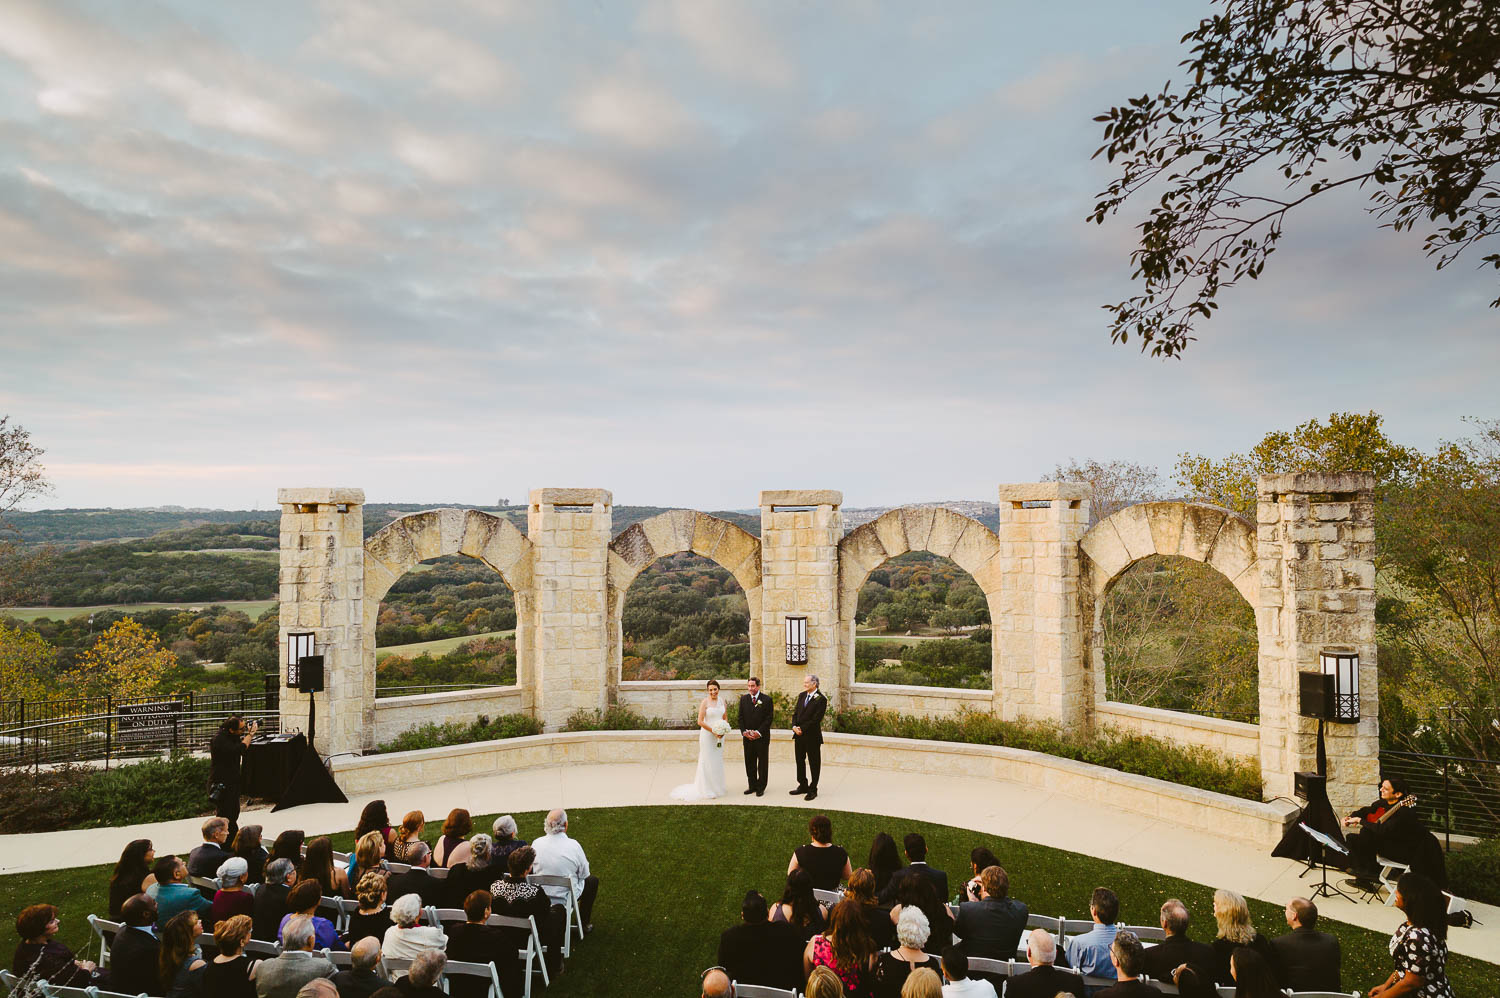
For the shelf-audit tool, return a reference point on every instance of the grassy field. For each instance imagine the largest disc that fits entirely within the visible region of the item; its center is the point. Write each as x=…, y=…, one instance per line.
x=245, y=554
x=657, y=926
x=254, y=608
x=441, y=646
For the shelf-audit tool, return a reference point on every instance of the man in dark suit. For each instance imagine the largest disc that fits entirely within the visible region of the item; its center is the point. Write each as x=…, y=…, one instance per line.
x=916, y=858
x=1043, y=980
x=991, y=927
x=1177, y=949
x=269, y=906
x=416, y=880
x=760, y=951
x=755, y=733
x=807, y=736
x=1309, y=959
x=473, y=941
x=132, y=953
x=363, y=979
x=205, y=860
x=1128, y=956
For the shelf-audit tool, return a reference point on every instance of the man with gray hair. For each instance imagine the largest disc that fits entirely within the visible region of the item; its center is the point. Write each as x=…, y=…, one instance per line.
x=363, y=978
x=506, y=841
x=206, y=858
x=558, y=855
x=1177, y=949
x=270, y=907
x=417, y=880
x=807, y=737
x=1128, y=956
x=422, y=977
x=1043, y=980
x=284, y=976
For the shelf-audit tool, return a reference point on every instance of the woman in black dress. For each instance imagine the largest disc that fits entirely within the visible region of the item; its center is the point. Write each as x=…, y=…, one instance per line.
x=826, y=863
x=228, y=974
x=798, y=907
x=897, y=965
x=1420, y=945
x=40, y=957
x=132, y=875
x=373, y=917
x=877, y=917
x=247, y=846
x=288, y=845
x=885, y=860
x=918, y=892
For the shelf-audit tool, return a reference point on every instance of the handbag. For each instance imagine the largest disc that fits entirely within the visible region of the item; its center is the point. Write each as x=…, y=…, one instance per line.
x=215, y=791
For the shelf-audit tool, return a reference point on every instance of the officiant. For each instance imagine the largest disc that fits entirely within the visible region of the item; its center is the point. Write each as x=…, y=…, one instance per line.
x=755, y=730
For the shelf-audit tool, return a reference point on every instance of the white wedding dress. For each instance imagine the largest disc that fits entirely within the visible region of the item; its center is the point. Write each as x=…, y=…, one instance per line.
x=709, y=781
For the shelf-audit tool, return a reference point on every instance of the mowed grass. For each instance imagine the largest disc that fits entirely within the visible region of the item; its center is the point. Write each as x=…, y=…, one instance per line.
x=439, y=646
x=672, y=879
x=254, y=608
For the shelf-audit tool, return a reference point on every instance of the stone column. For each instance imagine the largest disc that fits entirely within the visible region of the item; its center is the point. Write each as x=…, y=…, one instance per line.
x=1041, y=674
x=800, y=530
x=1316, y=552
x=322, y=590
x=570, y=531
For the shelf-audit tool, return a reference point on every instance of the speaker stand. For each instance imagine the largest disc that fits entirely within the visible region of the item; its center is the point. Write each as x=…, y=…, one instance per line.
x=312, y=783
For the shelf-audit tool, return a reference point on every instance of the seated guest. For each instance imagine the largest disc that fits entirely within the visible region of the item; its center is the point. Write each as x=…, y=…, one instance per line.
x=231, y=898
x=318, y=865
x=845, y=948
x=424, y=976
x=374, y=819
x=894, y=968
x=1194, y=983
x=132, y=875
x=980, y=859
x=1253, y=976
x=320, y=987
x=133, y=952
x=475, y=873
x=991, y=926
x=559, y=855
x=247, y=846
x=302, y=901
x=472, y=941
x=453, y=847
x=884, y=860
x=408, y=835
x=877, y=918
x=406, y=938
x=716, y=984
x=1127, y=956
x=515, y=897
x=206, y=859
x=179, y=963
x=228, y=974
x=1090, y=952
x=916, y=891
x=172, y=891
x=959, y=983
x=40, y=957
x=373, y=917
x=798, y=907
x=1233, y=917
x=269, y=906
x=1309, y=959
x=924, y=982
x=759, y=951
x=505, y=837
x=916, y=860
x=288, y=845
x=417, y=880
x=363, y=978
x=1043, y=980
x=284, y=976
x=821, y=983
x=826, y=863
x=368, y=854
x=1177, y=949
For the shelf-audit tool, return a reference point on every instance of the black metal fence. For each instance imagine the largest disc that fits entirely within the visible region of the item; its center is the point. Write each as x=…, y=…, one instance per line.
x=88, y=729
x=1456, y=795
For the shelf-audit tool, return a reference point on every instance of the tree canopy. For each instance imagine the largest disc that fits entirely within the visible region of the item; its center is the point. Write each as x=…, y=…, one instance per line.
x=1285, y=101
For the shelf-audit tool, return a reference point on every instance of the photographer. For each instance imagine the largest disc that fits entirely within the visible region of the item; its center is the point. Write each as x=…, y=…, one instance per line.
x=225, y=752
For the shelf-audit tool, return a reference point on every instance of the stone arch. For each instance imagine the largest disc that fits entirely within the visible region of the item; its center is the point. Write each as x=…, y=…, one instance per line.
x=968, y=543
x=718, y=540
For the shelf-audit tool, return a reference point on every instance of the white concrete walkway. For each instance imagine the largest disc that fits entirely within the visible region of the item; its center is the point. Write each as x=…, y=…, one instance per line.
x=987, y=806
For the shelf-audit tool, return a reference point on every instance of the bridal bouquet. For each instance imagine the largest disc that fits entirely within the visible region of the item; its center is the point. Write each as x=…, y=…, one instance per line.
x=720, y=728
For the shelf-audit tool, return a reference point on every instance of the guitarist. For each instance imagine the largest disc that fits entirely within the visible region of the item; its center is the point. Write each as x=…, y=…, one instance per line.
x=1389, y=827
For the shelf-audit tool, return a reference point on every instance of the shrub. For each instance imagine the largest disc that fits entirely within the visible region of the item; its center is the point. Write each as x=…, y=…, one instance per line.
x=77, y=797
x=614, y=718
x=481, y=729
x=1478, y=869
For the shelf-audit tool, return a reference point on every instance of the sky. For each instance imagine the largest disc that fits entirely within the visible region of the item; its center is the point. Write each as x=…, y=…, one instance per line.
x=684, y=250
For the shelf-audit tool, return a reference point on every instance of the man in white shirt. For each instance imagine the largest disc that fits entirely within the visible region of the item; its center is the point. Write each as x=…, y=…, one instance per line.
x=958, y=983
x=558, y=855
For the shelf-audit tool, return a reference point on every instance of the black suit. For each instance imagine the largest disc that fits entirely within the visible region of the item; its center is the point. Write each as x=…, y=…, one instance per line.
x=1309, y=960
x=756, y=716
x=1172, y=952
x=205, y=860
x=132, y=961
x=484, y=944
x=768, y=953
x=415, y=881
x=1128, y=989
x=932, y=874
x=267, y=910
x=363, y=983
x=808, y=715
x=991, y=927
x=1045, y=981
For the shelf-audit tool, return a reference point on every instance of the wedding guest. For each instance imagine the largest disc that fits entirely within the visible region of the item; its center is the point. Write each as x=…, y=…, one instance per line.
x=302, y=902
x=915, y=847
x=231, y=898
x=1253, y=977
x=318, y=865
x=1127, y=956
x=284, y=976
x=132, y=875
x=1309, y=959
x=884, y=860
x=269, y=906
x=845, y=947
x=991, y=927
x=207, y=857
x=798, y=907
x=826, y=863
x=476, y=873
x=472, y=941
x=1177, y=949
x=917, y=892
x=980, y=858
x=172, y=892
x=959, y=983
x=514, y=896
x=1193, y=982
x=1089, y=952
x=247, y=846
x=894, y=968
x=288, y=845
x=374, y=819
x=924, y=982
x=760, y=951
x=228, y=974
x=505, y=837
x=1420, y=945
x=824, y=983
x=1044, y=979
x=418, y=880
x=372, y=917
x=179, y=965
x=422, y=977
x=40, y=957
x=407, y=836
x=559, y=855
x=877, y=918
x=133, y=951
x=453, y=848
x=369, y=854
x=405, y=939
x=1233, y=917
x=364, y=976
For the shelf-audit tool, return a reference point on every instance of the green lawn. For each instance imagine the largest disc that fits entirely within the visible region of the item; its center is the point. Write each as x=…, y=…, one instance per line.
x=672, y=879
x=440, y=646
x=254, y=608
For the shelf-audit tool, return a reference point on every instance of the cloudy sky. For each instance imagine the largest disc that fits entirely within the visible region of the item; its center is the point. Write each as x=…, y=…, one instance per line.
x=682, y=249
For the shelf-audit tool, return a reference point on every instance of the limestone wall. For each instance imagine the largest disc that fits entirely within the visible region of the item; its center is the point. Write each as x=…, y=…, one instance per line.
x=1234, y=738
x=800, y=575
x=570, y=529
x=394, y=715
x=674, y=700
x=922, y=700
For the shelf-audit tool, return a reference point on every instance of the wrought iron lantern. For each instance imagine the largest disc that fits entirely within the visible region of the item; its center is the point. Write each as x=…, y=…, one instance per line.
x=796, y=641
x=299, y=645
x=1343, y=666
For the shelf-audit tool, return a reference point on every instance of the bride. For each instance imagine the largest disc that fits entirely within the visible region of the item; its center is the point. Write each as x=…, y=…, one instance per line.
x=709, y=781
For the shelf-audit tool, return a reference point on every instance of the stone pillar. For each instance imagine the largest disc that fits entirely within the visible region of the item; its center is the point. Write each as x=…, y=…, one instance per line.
x=570, y=531
x=1316, y=552
x=1041, y=673
x=322, y=590
x=800, y=530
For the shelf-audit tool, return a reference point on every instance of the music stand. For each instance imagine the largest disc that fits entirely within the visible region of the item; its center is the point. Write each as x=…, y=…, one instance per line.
x=1327, y=842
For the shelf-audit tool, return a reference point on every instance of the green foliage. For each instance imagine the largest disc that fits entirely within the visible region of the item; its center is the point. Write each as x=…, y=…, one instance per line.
x=1477, y=868
x=613, y=718
x=124, y=573
x=490, y=661
x=958, y=663
x=481, y=729
x=917, y=591
x=76, y=797
x=685, y=618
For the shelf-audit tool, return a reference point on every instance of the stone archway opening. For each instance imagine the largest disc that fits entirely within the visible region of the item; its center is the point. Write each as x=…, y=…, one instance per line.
x=684, y=617
x=447, y=624
x=921, y=620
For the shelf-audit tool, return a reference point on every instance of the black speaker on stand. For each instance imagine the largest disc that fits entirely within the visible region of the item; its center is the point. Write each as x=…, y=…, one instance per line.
x=1316, y=699
x=312, y=783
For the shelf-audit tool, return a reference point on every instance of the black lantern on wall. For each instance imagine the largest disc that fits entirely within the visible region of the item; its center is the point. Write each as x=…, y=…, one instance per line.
x=299, y=645
x=1343, y=666
x=796, y=641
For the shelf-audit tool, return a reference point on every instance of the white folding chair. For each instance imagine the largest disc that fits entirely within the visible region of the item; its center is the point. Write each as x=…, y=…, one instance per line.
x=533, y=951
x=105, y=930
x=260, y=947
x=828, y=897
x=438, y=872
x=1165, y=987
x=762, y=991
x=1147, y=933
x=986, y=965
x=336, y=905
x=571, y=909
x=1323, y=994
x=487, y=971
x=206, y=882
x=1390, y=872
x=1226, y=991
x=58, y=991
x=1076, y=926
x=341, y=959
x=8, y=981
x=392, y=866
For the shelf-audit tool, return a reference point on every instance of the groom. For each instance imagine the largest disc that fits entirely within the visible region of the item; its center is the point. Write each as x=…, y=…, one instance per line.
x=755, y=729
x=807, y=736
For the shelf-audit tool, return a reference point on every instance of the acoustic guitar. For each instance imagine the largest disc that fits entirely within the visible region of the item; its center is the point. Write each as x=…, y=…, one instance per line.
x=1406, y=801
